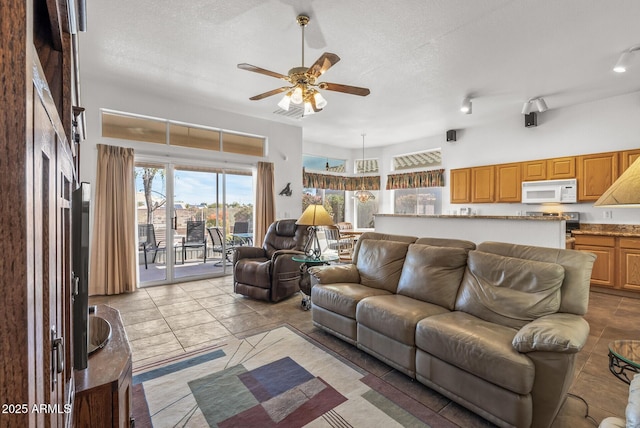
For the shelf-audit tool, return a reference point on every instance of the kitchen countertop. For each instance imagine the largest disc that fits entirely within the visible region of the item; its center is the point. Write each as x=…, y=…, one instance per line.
x=607, y=233
x=489, y=217
x=624, y=230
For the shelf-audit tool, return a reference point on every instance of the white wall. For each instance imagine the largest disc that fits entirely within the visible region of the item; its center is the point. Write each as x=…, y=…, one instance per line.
x=284, y=141
x=610, y=124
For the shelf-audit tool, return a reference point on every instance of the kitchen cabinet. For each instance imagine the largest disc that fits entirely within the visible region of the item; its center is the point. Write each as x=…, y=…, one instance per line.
x=460, y=185
x=629, y=263
x=561, y=168
x=627, y=157
x=483, y=184
x=604, y=247
x=534, y=170
x=549, y=169
x=508, y=182
x=596, y=173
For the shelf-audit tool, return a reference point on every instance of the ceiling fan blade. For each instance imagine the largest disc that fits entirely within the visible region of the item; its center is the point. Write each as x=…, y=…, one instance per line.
x=249, y=67
x=325, y=62
x=354, y=90
x=270, y=93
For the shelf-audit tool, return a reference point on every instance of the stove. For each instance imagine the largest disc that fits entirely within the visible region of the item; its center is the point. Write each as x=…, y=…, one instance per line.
x=572, y=218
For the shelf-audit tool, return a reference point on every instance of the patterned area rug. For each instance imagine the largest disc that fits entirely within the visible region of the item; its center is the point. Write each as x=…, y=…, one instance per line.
x=275, y=379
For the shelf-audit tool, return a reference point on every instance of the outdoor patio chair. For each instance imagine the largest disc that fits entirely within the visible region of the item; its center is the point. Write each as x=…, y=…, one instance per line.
x=217, y=239
x=195, y=239
x=147, y=242
x=342, y=245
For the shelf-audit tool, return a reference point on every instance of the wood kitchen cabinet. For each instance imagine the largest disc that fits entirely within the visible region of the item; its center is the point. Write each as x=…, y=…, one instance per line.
x=629, y=263
x=508, y=182
x=561, y=168
x=534, y=170
x=604, y=247
x=549, y=169
x=460, y=185
x=483, y=184
x=627, y=157
x=596, y=173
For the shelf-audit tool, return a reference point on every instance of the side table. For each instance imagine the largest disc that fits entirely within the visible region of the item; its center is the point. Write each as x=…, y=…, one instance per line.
x=624, y=358
x=305, y=281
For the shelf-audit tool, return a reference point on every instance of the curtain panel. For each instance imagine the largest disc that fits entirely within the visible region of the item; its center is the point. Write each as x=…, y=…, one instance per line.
x=265, y=201
x=339, y=182
x=414, y=180
x=113, y=243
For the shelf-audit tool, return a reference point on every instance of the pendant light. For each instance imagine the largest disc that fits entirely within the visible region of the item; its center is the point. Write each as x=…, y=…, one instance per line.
x=363, y=195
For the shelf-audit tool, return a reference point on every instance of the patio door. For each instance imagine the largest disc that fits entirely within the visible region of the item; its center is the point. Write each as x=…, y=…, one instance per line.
x=191, y=212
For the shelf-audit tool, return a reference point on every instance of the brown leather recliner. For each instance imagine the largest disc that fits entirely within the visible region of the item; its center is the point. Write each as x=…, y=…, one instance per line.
x=269, y=273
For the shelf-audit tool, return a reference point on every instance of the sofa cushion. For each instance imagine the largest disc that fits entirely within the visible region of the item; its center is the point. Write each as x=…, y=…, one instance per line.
x=253, y=271
x=342, y=298
x=507, y=290
x=395, y=316
x=433, y=274
x=479, y=347
x=380, y=263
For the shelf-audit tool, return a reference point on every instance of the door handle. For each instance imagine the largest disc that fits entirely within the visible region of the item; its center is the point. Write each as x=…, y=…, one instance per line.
x=57, y=354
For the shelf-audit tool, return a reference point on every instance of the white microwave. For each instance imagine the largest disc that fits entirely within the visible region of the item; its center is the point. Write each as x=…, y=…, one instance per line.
x=558, y=191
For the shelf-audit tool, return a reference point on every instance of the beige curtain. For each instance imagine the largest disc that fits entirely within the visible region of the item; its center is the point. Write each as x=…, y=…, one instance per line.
x=113, y=245
x=265, y=197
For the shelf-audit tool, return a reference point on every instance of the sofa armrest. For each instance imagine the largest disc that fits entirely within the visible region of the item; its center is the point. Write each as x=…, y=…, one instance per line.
x=334, y=273
x=248, y=253
x=560, y=332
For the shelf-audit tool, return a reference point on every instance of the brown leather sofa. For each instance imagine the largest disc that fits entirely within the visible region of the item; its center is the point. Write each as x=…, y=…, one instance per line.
x=495, y=328
x=269, y=273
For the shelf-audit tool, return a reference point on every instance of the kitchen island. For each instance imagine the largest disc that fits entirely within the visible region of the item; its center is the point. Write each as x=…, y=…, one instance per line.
x=539, y=231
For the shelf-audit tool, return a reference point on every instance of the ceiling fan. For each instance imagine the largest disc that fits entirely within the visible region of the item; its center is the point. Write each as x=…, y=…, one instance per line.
x=304, y=88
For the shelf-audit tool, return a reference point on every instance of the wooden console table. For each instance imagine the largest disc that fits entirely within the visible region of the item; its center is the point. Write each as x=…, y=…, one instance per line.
x=103, y=389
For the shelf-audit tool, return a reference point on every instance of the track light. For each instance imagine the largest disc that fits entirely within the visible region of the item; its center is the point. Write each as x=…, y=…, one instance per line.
x=623, y=60
x=541, y=105
x=466, y=106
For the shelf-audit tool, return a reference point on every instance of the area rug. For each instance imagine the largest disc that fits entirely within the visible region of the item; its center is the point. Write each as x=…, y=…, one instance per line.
x=279, y=378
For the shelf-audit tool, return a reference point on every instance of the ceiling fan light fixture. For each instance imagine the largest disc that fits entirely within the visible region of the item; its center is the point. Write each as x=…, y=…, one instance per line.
x=285, y=102
x=296, y=96
x=320, y=101
x=466, y=106
x=308, y=109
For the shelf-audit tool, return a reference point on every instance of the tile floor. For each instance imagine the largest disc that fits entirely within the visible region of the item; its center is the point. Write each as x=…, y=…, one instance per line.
x=165, y=321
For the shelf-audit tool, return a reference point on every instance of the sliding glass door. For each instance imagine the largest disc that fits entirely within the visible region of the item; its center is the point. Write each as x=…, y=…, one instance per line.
x=207, y=212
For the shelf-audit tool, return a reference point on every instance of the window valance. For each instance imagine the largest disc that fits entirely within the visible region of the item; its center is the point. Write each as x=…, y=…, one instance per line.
x=414, y=180
x=339, y=182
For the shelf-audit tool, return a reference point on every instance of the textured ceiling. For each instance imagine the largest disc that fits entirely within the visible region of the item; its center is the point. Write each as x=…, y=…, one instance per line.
x=420, y=58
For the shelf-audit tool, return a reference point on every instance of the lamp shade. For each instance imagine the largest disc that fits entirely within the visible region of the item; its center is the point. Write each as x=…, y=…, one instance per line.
x=625, y=191
x=315, y=215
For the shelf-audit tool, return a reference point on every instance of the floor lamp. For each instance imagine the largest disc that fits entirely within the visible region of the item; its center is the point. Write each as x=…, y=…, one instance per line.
x=314, y=216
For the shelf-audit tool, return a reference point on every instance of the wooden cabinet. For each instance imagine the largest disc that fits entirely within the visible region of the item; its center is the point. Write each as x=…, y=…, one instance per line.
x=561, y=168
x=604, y=247
x=508, y=182
x=460, y=185
x=534, y=170
x=596, y=173
x=629, y=263
x=483, y=184
x=549, y=169
x=103, y=389
x=38, y=174
x=627, y=157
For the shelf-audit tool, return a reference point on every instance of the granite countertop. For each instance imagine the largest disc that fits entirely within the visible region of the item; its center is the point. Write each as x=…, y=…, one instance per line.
x=624, y=230
x=607, y=233
x=488, y=217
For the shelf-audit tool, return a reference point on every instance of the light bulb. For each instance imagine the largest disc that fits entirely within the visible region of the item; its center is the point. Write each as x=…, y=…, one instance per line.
x=308, y=108
x=320, y=101
x=284, y=102
x=296, y=97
